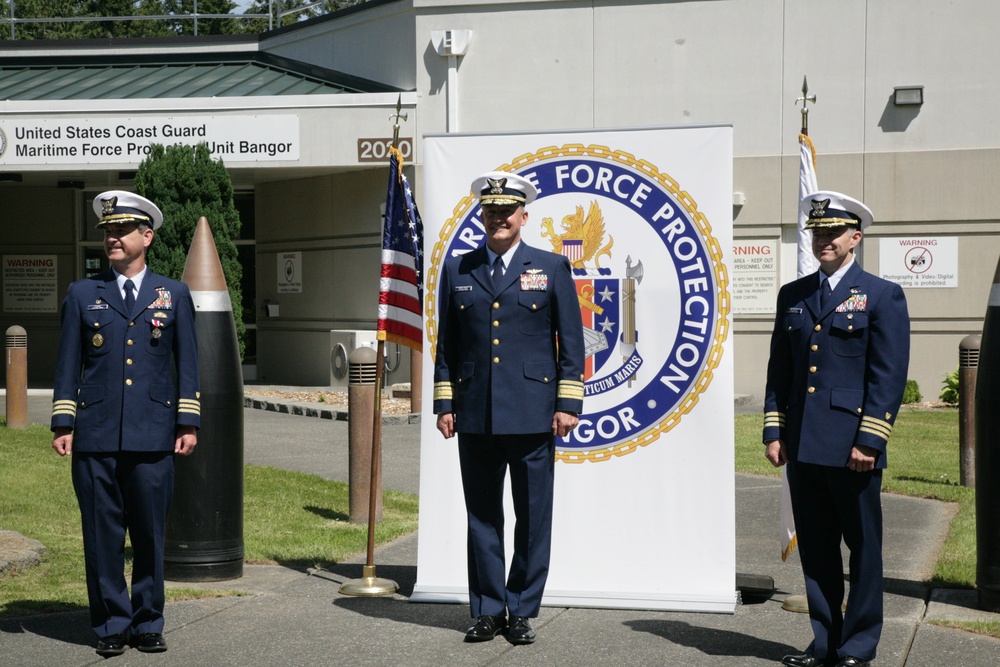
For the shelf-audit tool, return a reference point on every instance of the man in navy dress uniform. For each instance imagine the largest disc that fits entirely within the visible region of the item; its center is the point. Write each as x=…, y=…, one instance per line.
x=508, y=379
x=125, y=402
x=835, y=379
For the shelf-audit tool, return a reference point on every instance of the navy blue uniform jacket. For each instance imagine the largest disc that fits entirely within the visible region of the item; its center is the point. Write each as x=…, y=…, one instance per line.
x=119, y=385
x=836, y=375
x=514, y=356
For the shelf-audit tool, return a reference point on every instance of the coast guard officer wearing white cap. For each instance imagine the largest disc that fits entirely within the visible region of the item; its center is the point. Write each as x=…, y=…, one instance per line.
x=835, y=379
x=117, y=408
x=508, y=379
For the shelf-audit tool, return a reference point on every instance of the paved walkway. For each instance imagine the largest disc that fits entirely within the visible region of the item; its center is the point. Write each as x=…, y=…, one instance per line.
x=290, y=617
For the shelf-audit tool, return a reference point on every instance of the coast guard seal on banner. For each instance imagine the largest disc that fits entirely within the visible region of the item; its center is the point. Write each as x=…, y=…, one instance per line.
x=652, y=288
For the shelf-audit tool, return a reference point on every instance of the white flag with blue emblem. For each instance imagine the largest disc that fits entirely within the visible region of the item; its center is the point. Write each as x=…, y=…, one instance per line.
x=807, y=264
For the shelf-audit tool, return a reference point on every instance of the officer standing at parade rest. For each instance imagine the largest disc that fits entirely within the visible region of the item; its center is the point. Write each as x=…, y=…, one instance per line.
x=835, y=380
x=508, y=379
x=117, y=408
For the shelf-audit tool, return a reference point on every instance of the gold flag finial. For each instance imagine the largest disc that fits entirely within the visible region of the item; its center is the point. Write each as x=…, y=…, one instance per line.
x=396, y=116
x=806, y=97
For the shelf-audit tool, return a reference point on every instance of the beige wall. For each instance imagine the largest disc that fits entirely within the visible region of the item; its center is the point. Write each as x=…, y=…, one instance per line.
x=30, y=229
x=335, y=223
x=913, y=194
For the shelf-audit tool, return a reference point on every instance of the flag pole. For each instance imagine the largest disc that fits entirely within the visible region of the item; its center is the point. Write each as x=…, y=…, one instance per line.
x=369, y=584
x=798, y=603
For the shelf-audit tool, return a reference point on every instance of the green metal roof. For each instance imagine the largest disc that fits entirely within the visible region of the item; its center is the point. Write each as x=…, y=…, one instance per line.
x=240, y=75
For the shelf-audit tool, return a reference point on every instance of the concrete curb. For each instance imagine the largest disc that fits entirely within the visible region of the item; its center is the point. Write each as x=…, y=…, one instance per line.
x=319, y=410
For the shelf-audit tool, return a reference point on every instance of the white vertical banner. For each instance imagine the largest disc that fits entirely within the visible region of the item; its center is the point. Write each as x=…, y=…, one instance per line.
x=644, y=513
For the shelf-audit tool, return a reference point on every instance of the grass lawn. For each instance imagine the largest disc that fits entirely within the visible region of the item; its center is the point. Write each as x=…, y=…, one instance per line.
x=923, y=462
x=290, y=518
x=301, y=520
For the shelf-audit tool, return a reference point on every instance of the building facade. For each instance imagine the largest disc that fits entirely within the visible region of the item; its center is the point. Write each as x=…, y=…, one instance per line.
x=491, y=66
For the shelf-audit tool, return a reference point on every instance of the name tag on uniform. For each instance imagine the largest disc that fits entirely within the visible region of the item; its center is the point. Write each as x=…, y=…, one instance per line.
x=855, y=304
x=97, y=306
x=793, y=311
x=534, y=282
x=463, y=288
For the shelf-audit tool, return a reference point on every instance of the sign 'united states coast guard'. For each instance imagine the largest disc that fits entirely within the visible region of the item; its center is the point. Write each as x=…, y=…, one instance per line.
x=650, y=281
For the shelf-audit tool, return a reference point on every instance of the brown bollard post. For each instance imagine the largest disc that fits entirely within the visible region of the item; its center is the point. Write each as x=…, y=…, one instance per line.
x=17, y=377
x=968, y=369
x=360, y=408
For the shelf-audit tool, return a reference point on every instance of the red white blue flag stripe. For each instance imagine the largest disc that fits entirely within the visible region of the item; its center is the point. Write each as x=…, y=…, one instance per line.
x=400, y=296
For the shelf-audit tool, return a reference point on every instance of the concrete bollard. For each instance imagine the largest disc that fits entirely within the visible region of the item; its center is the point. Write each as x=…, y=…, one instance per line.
x=17, y=377
x=968, y=369
x=362, y=368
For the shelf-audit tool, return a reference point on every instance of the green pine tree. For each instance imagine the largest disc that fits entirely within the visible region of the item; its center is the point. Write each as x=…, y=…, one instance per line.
x=186, y=183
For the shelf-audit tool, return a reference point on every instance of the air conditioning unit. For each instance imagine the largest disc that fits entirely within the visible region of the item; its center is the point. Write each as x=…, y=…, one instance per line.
x=342, y=343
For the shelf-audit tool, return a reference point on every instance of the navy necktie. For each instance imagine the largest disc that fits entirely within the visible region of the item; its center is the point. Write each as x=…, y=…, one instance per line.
x=825, y=293
x=497, y=272
x=129, y=296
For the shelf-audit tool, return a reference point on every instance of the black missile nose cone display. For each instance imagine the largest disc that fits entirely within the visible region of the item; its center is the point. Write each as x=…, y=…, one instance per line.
x=987, y=419
x=204, y=539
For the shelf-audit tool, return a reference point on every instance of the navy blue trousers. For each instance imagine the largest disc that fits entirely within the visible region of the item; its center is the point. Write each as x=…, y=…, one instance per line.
x=484, y=461
x=830, y=505
x=127, y=491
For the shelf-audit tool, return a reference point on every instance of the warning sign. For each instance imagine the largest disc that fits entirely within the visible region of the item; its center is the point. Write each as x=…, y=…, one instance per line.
x=919, y=262
x=29, y=284
x=289, y=272
x=755, y=277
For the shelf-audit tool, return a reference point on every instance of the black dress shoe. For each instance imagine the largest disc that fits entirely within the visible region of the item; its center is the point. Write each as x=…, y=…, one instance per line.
x=486, y=628
x=802, y=660
x=150, y=642
x=520, y=631
x=851, y=661
x=111, y=645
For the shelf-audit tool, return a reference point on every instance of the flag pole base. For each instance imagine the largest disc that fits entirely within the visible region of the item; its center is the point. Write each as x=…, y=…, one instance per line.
x=796, y=603
x=369, y=585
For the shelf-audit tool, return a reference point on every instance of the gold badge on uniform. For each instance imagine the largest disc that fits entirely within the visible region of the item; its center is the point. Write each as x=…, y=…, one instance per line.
x=97, y=340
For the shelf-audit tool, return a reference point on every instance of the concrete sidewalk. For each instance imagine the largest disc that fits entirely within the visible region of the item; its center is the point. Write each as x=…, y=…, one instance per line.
x=293, y=617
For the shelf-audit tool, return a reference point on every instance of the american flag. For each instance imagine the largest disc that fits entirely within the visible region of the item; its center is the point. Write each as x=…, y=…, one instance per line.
x=400, y=294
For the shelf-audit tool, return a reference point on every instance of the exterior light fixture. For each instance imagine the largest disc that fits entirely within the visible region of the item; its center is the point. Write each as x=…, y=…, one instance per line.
x=908, y=96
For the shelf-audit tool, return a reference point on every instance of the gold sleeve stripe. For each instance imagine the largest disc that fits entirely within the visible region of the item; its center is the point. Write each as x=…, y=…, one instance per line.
x=443, y=391
x=64, y=407
x=883, y=429
x=189, y=405
x=570, y=389
x=774, y=419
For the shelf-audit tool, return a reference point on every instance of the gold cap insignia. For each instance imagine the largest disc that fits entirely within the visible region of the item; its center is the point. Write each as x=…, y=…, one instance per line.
x=109, y=205
x=819, y=207
x=496, y=185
